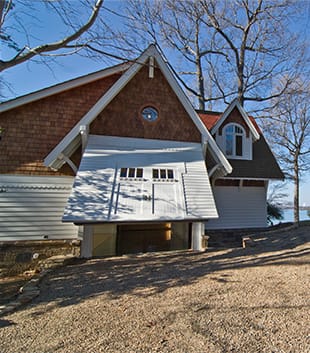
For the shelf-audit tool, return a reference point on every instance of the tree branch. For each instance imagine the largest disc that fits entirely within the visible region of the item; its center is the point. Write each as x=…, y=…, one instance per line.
x=41, y=49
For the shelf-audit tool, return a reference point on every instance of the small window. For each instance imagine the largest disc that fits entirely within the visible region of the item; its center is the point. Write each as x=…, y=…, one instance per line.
x=131, y=173
x=155, y=174
x=123, y=173
x=139, y=173
x=234, y=136
x=163, y=174
x=149, y=114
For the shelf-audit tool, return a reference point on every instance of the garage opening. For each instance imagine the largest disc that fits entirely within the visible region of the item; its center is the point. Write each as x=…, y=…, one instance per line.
x=141, y=238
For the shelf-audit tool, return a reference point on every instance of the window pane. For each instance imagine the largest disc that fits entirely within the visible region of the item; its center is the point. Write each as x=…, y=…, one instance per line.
x=238, y=130
x=155, y=174
x=163, y=174
x=123, y=172
x=229, y=129
x=131, y=173
x=229, y=145
x=238, y=145
x=170, y=174
x=139, y=173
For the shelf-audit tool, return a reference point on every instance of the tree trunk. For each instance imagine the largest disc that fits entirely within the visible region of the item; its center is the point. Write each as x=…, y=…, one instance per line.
x=296, y=192
x=201, y=86
x=200, y=77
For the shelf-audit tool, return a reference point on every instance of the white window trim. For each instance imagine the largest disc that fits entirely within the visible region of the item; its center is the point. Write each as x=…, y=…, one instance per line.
x=234, y=156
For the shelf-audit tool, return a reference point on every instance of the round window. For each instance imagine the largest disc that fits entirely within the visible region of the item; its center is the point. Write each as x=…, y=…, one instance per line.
x=149, y=114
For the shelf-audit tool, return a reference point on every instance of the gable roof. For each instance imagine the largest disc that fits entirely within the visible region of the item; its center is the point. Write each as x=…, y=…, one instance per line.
x=72, y=140
x=235, y=104
x=101, y=194
x=210, y=118
x=61, y=87
x=263, y=165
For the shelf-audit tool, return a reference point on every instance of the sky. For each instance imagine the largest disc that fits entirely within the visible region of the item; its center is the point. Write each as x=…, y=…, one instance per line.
x=30, y=77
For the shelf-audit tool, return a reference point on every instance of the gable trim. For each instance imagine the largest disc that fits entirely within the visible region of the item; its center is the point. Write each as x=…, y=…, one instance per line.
x=61, y=87
x=236, y=104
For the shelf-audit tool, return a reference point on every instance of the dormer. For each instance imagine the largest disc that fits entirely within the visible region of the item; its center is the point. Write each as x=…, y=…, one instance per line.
x=235, y=133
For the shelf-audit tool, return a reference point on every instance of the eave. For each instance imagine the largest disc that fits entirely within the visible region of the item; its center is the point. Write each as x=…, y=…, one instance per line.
x=62, y=87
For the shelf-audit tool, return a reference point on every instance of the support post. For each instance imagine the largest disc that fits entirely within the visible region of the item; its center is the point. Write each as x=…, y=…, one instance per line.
x=197, y=234
x=87, y=242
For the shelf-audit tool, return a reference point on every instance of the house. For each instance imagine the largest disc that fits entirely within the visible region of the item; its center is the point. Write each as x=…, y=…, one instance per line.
x=241, y=195
x=121, y=160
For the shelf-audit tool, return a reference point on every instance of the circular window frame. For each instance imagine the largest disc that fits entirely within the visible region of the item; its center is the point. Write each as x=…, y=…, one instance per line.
x=151, y=107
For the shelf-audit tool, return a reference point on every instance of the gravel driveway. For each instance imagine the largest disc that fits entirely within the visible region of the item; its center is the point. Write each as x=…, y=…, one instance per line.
x=234, y=300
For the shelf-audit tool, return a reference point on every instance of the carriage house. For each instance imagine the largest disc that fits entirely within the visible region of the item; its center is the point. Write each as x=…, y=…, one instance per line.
x=121, y=160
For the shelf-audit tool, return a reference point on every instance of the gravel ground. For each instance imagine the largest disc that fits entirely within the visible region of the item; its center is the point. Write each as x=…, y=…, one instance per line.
x=234, y=300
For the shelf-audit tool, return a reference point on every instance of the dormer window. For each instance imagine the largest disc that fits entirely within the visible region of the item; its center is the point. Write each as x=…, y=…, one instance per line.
x=234, y=140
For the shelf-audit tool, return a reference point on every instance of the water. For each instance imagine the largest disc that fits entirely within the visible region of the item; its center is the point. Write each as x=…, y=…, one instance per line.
x=288, y=216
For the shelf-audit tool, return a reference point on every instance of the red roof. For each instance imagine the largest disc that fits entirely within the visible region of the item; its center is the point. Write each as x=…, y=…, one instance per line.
x=211, y=118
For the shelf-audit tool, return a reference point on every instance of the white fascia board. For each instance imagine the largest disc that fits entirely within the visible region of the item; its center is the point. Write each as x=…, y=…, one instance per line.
x=96, y=109
x=229, y=109
x=141, y=143
x=58, y=88
x=206, y=136
x=35, y=179
x=243, y=178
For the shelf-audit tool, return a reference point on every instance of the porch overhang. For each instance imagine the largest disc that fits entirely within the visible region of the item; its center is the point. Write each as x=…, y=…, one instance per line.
x=125, y=180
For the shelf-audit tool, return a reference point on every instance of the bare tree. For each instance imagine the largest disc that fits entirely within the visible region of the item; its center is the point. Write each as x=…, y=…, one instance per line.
x=232, y=48
x=18, y=19
x=288, y=130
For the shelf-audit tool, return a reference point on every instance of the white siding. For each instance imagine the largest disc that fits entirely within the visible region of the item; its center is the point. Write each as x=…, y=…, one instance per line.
x=100, y=194
x=31, y=208
x=239, y=207
x=198, y=198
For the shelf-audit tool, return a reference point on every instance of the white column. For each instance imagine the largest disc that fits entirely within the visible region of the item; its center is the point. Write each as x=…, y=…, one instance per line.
x=197, y=233
x=87, y=242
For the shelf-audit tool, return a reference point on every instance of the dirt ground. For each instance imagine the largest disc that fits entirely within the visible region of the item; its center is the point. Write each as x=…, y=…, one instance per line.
x=234, y=300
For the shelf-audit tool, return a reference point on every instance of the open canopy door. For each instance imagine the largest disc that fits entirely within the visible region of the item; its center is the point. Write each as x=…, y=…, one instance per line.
x=125, y=180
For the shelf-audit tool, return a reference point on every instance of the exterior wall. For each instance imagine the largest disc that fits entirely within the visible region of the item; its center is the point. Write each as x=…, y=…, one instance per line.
x=239, y=207
x=104, y=240
x=17, y=257
x=122, y=117
x=31, y=208
x=33, y=130
x=179, y=238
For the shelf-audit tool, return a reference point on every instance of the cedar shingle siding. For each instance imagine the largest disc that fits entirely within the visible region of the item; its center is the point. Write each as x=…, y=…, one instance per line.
x=122, y=116
x=235, y=117
x=33, y=130
x=263, y=165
